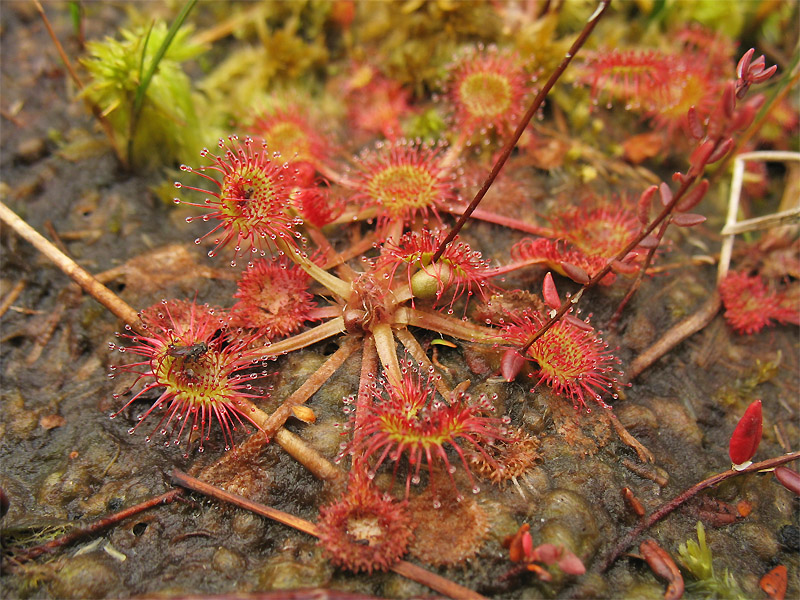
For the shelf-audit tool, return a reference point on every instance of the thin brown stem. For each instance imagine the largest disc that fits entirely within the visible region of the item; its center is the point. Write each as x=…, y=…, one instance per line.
x=639, y=278
x=83, y=278
x=413, y=572
x=306, y=338
x=675, y=335
x=526, y=118
x=11, y=296
x=676, y=502
x=595, y=279
x=439, y=323
x=310, y=386
x=96, y=527
x=312, y=460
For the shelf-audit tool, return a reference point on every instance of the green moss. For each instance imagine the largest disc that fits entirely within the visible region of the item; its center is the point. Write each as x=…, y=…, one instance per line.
x=697, y=559
x=168, y=128
x=743, y=389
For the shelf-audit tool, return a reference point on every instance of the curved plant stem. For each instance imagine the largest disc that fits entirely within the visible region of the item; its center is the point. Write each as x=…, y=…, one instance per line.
x=97, y=526
x=369, y=367
x=413, y=572
x=675, y=335
x=83, y=278
x=310, y=386
x=676, y=502
x=331, y=282
x=512, y=142
x=516, y=224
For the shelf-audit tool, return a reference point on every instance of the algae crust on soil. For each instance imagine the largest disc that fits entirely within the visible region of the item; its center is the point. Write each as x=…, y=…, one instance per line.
x=368, y=72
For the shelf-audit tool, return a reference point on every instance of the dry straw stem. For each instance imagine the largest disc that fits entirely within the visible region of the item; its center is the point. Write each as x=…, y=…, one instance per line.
x=406, y=569
x=83, y=278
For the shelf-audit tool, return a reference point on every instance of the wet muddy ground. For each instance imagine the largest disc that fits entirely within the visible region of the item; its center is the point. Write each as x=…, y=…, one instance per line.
x=64, y=462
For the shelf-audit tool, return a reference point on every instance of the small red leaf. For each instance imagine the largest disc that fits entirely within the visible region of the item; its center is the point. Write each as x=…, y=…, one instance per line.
x=666, y=194
x=699, y=157
x=548, y=553
x=788, y=479
x=550, y=293
x=678, y=177
x=744, y=63
x=650, y=242
x=571, y=564
x=643, y=210
x=764, y=75
x=576, y=322
x=747, y=435
x=695, y=127
x=575, y=273
x=687, y=219
x=743, y=118
x=720, y=151
x=693, y=197
x=728, y=99
x=511, y=364
x=624, y=268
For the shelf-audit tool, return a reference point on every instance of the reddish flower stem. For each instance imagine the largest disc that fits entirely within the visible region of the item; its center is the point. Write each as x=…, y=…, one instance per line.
x=639, y=277
x=406, y=569
x=676, y=502
x=97, y=526
x=512, y=142
x=665, y=212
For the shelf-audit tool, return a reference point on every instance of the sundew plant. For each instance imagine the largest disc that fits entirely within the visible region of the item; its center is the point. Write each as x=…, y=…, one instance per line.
x=431, y=242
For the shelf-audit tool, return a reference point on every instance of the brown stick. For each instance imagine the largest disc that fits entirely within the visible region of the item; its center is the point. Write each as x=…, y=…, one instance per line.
x=312, y=460
x=674, y=336
x=512, y=142
x=310, y=386
x=676, y=502
x=82, y=277
x=406, y=569
x=97, y=526
x=11, y=296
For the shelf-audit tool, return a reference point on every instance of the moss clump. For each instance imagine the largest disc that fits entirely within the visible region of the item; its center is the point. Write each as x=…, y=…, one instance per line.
x=167, y=129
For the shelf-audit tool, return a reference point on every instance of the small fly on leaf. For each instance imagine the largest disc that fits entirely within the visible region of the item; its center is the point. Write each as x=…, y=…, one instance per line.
x=190, y=353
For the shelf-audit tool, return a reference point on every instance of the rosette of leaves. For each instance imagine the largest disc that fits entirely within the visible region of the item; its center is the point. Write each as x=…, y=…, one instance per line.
x=166, y=128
